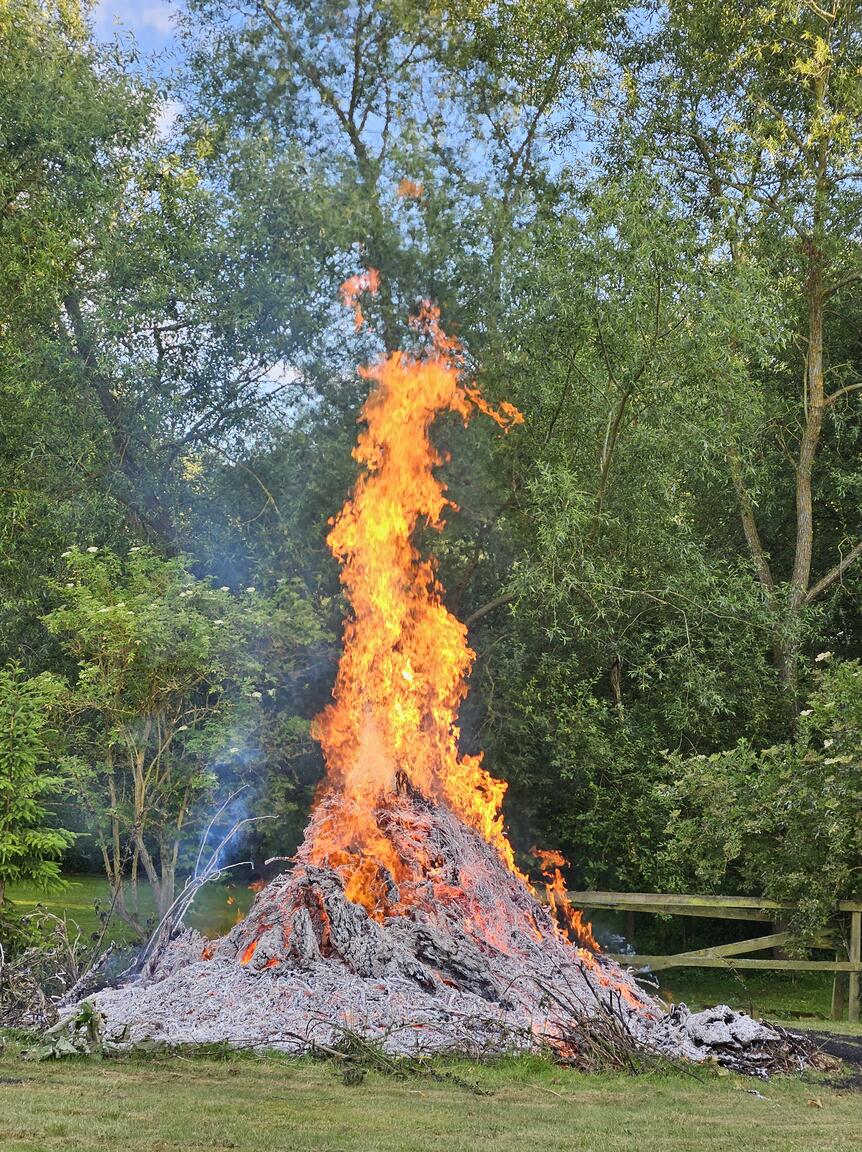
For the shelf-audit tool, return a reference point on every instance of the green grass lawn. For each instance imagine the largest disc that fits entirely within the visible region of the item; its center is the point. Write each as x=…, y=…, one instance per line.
x=778, y=995
x=214, y=911
x=264, y=1104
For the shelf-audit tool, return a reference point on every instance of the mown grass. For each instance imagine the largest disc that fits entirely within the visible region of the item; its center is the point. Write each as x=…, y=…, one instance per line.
x=777, y=995
x=263, y=1104
x=216, y=907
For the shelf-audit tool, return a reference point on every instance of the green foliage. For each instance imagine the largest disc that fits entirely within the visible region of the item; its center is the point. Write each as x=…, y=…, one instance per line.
x=164, y=690
x=785, y=820
x=69, y=112
x=623, y=212
x=18, y=931
x=148, y=637
x=666, y=586
x=72, y=114
x=30, y=848
x=637, y=624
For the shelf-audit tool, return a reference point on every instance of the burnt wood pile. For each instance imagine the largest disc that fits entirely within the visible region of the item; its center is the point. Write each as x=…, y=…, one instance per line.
x=465, y=959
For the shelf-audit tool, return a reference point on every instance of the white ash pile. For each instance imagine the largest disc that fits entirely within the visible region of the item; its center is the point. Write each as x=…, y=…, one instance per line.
x=466, y=960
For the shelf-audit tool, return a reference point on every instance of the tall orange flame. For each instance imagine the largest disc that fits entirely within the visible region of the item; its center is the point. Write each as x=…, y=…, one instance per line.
x=405, y=660
x=570, y=919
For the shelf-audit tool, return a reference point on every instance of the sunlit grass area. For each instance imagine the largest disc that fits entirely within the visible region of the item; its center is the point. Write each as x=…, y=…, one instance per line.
x=216, y=906
x=795, y=996
x=259, y=1103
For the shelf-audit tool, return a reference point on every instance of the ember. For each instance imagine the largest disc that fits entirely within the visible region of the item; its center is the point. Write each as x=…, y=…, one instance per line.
x=405, y=916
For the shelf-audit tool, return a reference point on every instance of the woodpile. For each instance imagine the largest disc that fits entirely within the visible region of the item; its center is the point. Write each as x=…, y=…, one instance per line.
x=473, y=964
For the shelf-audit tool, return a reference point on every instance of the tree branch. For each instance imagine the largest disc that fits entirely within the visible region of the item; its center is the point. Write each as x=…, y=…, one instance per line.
x=270, y=499
x=497, y=602
x=749, y=524
x=841, y=392
x=834, y=574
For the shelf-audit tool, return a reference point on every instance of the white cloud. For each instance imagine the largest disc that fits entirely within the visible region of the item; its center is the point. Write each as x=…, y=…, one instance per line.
x=166, y=117
x=155, y=19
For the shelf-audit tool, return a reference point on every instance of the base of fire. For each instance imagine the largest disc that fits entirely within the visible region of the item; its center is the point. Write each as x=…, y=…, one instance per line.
x=469, y=962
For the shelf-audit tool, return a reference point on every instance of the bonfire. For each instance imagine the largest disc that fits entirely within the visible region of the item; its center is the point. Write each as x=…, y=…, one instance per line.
x=405, y=918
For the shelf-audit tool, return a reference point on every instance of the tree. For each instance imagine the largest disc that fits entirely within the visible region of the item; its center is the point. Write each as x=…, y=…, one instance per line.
x=783, y=821
x=120, y=288
x=123, y=289
x=71, y=119
x=644, y=232
x=633, y=627
x=757, y=113
x=374, y=134
x=377, y=134
x=445, y=147
x=163, y=695
x=655, y=339
x=30, y=847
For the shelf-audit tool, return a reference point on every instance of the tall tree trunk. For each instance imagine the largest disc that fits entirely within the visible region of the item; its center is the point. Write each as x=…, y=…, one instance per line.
x=785, y=646
x=168, y=854
x=815, y=404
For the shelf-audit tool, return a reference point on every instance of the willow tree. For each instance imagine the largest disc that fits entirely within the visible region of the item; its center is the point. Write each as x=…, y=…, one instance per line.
x=70, y=118
x=754, y=113
x=418, y=139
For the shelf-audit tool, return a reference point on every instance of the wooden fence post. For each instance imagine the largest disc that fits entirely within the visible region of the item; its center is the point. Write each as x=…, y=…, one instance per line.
x=855, y=958
x=839, y=989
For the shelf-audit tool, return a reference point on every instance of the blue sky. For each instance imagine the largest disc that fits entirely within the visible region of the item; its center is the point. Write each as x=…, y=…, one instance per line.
x=149, y=21
x=150, y=24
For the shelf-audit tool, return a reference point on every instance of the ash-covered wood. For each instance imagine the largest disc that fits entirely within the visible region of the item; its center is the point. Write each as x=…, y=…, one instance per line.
x=465, y=959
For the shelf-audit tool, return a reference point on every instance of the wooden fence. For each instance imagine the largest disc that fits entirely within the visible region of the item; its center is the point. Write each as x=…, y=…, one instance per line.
x=847, y=961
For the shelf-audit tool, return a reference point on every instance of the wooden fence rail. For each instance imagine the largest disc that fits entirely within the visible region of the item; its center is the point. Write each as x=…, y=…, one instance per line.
x=755, y=908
